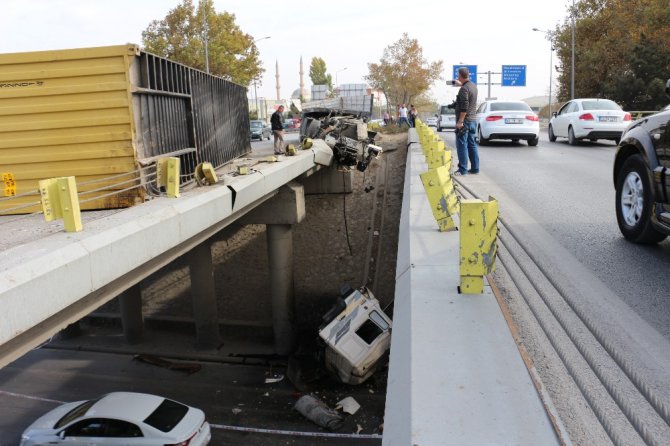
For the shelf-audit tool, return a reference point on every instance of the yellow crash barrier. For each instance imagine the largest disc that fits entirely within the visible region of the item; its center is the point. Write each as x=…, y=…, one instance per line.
x=167, y=175
x=60, y=200
x=442, y=197
x=479, y=232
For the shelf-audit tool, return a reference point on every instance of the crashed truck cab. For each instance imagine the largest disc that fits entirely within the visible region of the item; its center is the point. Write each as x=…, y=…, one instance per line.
x=357, y=334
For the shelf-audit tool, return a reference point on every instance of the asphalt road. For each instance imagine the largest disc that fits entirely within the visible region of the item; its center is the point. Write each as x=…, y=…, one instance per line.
x=595, y=304
x=569, y=191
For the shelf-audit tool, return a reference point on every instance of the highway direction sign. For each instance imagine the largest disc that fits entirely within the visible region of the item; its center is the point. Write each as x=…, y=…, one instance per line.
x=513, y=76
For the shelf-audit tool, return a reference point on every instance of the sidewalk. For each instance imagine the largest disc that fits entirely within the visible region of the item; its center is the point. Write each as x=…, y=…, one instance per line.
x=456, y=376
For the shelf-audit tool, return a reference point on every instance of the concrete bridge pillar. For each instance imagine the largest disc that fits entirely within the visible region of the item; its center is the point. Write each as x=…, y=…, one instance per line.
x=203, y=293
x=279, y=214
x=130, y=302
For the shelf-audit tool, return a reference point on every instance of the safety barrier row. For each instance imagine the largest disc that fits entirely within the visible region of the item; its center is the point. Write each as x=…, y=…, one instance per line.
x=60, y=200
x=478, y=219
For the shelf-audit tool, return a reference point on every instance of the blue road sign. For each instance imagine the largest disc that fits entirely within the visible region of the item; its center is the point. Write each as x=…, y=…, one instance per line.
x=471, y=68
x=513, y=76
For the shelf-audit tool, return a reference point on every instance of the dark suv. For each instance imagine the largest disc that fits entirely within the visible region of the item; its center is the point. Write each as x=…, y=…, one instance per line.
x=642, y=178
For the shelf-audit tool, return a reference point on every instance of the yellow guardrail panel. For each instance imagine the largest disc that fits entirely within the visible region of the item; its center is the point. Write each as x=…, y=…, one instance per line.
x=441, y=195
x=60, y=201
x=167, y=175
x=478, y=250
x=9, y=184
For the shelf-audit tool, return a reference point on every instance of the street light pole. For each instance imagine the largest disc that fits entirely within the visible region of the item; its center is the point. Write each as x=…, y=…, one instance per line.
x=551, y=62
x=258, y=111
x=336, y=73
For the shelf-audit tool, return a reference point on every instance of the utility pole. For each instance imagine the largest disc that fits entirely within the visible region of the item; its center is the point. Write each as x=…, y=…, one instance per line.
x=572, y=77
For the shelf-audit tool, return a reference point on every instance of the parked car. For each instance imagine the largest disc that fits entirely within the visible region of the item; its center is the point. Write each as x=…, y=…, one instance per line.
x=432, y=121
x=642, y=178
x=446, y=118
x=513, y=120
x=591, y=119
x=120, y=418
x=259, y=130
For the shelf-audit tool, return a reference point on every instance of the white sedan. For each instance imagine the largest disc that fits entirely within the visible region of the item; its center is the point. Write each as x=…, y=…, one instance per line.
x=120, y=418
x=591, y=119
x=513, y=120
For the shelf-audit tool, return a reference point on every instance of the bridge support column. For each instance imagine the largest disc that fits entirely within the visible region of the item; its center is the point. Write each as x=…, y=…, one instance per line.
x=279, y=214
x=130, y=302
x=205, y=307
x=280, y=256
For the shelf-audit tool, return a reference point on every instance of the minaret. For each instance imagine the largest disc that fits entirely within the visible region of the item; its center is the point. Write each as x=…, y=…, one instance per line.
x=302, y=81
x=277, y=77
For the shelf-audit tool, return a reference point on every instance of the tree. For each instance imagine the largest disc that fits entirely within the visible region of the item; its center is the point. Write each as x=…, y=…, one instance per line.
x=403, y=73
x=318, y=74
x=621, y=52
x=181, y=37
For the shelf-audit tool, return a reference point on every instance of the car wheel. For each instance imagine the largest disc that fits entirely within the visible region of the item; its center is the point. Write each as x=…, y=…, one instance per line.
x=534, y=141
x=571, y=137
x=552, y=137
x=515, y=141
x=482, y=141
x=634, y=202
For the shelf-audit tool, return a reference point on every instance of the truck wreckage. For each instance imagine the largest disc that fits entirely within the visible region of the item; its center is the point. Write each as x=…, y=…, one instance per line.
x=344, y=130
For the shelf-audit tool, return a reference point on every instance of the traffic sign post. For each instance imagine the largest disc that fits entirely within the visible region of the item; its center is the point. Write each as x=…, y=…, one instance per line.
x=514, y=75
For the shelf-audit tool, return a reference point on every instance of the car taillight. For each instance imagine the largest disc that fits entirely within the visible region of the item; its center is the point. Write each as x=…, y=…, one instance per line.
x=627, y=117
x=532, y=118
x=494, y=118
x=185, y=442
x=586, y=117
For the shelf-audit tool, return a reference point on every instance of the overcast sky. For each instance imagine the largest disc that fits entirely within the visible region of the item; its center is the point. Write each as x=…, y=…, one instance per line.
x=346, y=34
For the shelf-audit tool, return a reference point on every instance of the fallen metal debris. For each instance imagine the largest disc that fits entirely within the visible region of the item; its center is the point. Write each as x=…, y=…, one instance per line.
x=274, y=379
x=316, y=411
x=188, y=367
x=348, y=405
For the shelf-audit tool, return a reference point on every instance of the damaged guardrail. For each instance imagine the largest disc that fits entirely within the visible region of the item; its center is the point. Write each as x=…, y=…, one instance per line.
x=479, y=220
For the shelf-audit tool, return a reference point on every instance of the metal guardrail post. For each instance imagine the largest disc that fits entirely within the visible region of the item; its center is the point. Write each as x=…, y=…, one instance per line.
x=479, y=232
x=440, y=191
x=167, y=175
x=60, y=200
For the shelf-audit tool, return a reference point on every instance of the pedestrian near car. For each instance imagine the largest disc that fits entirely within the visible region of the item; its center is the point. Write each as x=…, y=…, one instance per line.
x=466, y=125
x=387, y=118
x=277, y=123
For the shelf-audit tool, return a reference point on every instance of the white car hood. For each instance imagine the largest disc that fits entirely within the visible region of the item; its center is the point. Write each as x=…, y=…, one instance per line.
x=49, y=419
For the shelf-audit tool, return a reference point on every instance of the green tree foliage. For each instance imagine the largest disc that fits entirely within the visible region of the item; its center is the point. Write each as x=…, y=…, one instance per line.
x=318, y=73
x=181, y=36
x=622, y=52
x=403, y=73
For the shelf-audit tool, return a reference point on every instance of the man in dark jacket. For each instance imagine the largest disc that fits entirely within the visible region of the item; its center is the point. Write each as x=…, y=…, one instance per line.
x=277, y=123
x=466, y=124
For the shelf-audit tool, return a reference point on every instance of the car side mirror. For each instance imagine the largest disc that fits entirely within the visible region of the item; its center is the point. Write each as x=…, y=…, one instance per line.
x=61, y=434
x=554, y=114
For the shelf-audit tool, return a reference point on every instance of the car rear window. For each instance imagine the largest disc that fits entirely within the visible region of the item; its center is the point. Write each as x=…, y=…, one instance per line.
x=506, y=106
x=256, y=124
x=603, y=104
x=447, y=111
x=75, y=413
x=167, y=415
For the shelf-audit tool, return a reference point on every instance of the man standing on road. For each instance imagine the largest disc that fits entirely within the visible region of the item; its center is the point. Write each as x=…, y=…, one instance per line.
x=466, y=125
x=277, y=123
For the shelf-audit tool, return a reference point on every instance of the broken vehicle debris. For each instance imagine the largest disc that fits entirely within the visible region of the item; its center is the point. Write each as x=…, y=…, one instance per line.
x=318, y=412
x=346, y=134
x=357, y=334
